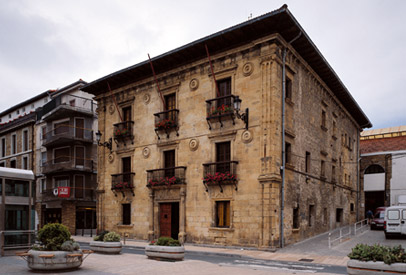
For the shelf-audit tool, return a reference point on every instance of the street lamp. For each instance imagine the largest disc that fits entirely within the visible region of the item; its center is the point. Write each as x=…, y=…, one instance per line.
x=242, y=116
x=107, y=144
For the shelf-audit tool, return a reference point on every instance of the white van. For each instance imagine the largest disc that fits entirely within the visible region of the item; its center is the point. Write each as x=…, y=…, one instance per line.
x=395, y=218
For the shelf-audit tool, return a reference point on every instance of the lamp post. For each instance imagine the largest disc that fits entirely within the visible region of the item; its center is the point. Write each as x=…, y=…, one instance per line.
x=243, y=116
x=107, y=144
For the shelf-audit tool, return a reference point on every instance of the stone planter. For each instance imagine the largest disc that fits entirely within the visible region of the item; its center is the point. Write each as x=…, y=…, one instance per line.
x=54, y=260
x=365, y=268
x=106, y=247
x=175, y=253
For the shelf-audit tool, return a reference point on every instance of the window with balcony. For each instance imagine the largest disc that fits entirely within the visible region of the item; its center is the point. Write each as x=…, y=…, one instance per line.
x=223, y=171
x=168, y=119
x=124, y=129
x=61, y=128
x=124, y=180
x=222, y=106
x=79, y=156
x=79, y=128
x=169, y=160
x=61, y=155
x=223, y=214
x=79, y=186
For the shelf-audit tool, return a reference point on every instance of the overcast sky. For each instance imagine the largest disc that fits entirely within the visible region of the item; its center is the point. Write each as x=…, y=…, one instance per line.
x=50, y=44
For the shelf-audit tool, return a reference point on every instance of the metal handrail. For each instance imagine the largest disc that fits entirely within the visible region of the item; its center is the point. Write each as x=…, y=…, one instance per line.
x=24, y=245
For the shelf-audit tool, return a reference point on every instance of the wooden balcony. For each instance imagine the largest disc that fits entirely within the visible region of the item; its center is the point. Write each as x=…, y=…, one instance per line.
x=167, y=121
x=123, y=131
x=220, y=173
x=122, y=182
x=220, y=109
x=166, y=177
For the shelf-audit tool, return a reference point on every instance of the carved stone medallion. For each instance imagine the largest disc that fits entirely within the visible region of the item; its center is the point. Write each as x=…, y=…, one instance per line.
x=193, y=144
x=146, y=98
x=247, y=69
x=111, y=158
x=146, y=152
x=111, y=109
x=194, y=84
x=246, y=136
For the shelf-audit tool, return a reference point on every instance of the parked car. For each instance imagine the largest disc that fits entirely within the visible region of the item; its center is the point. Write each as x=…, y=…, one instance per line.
x=378, y=219
x=395, y=217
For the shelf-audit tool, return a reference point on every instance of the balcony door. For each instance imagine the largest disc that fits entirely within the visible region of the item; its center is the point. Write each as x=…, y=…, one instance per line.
x=169, y=162
x=170, y=104
x=79, y=156
x=224, y=86
x=223, y=157
x=79, y=186
x=126, y=169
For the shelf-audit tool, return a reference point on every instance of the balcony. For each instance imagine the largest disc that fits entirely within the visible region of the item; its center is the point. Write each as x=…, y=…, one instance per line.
x=166, y=177
x=122, y=182
x=167, y=121
x=76, y=194
x=124, y=131
x=220, y=173
x=66, y=163
x=65, y=133
x=220, y=109
x=66, y=105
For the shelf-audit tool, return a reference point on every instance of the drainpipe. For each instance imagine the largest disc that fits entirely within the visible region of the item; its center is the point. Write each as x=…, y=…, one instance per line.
x=358, y=181
x=282, y=239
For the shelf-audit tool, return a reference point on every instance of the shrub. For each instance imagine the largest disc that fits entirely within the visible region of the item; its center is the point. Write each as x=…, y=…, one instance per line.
x=53, y=235
x=111, y=237
x=100, y=237
x=376, y=252
x=70, y=245
x=167, y=241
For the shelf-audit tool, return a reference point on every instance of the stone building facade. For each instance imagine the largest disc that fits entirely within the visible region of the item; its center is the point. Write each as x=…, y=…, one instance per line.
x=382, y=166
x=183, y=163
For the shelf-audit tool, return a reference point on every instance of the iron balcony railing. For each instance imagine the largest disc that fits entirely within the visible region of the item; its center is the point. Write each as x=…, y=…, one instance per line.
x=122, y=181
x=67, y=163
x=220, y=106
x=166, y=121
x=220, y=173
x=166, y=176
x=66, y=132
x=123, y=130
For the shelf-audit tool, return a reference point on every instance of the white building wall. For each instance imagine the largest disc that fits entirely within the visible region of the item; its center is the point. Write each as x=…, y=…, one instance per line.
x=398, y=182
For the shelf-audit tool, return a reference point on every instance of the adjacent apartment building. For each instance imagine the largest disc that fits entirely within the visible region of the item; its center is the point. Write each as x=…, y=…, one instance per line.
x=67, y=157
x=383, y=166
x=257, y=148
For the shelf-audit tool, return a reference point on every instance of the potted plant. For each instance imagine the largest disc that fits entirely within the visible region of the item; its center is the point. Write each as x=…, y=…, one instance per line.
x=55, y=251
x=106, y=242
x=165, y=248
x=366, y=259
x=164, y=181
x=219, y=178
x=165, y=124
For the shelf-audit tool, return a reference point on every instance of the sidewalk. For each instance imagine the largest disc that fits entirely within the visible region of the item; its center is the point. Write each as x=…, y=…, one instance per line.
x=302, y=252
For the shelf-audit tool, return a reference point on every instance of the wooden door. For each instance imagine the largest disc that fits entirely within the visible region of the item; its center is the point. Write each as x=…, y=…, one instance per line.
x=80, y=126
x=170, y=104
x=223, y=157
x=165, y=218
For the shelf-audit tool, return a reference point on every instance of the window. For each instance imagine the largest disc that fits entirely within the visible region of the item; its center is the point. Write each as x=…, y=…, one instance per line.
x=295, y=224
x=393, y=214
x=325, y=216
x=16, y=219
x=222, y=213
x=323, y=169
x=79, y=186
x=13, y=163
x=307, y=164
x=311, y=215
x=9, y=115
x=374, y=169
x=288, y=87
x=3, y=147
x=62, y=155
x=339, y=214
x=43, y=158
x=170, y=104
x=333, y=173
x=43, y=185
x=32, y=106
x=126, y=168
x=334, y=128
x=288, y=153
x=18, y=112
x=323, y=119
x=25, y=163
x=61, y=128
x=79, y=128
x=17, y=188
x=23, y=109
x=45, y=100
x=223, y=157
x=127, y=113
x=25, y=141
x=169, y=162
x=72, y=103
x=43, y=132
x=13, y=144
x=61, y=181
x=351, y=207
x=2, y=164
x=126, y=213
x=224, y=90
x=79, y=156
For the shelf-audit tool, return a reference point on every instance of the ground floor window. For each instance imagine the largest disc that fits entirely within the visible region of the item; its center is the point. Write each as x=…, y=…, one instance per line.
x=296, y=218
x=222, y=213
x=126, y=213
x=339, y=214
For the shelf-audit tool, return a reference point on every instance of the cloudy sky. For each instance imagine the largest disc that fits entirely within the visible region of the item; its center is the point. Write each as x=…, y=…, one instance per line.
x=50, y=44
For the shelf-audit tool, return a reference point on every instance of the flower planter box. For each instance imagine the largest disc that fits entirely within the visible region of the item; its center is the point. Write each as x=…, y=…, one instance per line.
x=106, y=247
x=364, y=268
x=175, y=253
x=54, y=260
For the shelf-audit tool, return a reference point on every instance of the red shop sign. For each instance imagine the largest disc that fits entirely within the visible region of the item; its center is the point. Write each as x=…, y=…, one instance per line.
x=64, y=192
